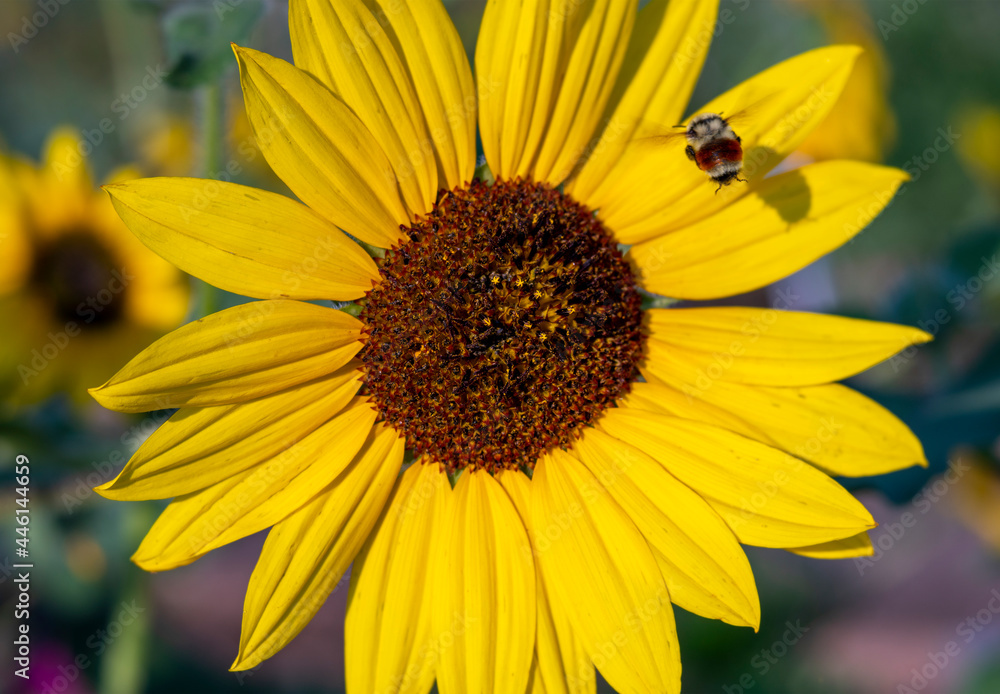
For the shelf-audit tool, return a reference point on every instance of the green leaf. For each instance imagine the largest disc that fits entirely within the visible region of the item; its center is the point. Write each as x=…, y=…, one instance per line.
x=198, y=37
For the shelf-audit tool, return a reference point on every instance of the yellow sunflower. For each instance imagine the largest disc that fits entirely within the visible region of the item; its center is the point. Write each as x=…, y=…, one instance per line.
x=578, y=463
x=79, y=293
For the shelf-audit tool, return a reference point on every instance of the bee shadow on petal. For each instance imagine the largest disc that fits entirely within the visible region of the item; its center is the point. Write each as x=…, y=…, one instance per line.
x=788, y=193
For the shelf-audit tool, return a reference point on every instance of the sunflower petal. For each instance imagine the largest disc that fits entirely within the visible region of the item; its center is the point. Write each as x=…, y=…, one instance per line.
x=244, y=240
x=585, y=87
x=705, y=569
x=562, y=665
x=490, y=582
x=198, y=447
x=833, y=427
x=768, y=498
x=235, y=355
x=784, y=224
x=344, y=45
x=604, y=577
x=389, y=642
x=859, y=545
x=664, y=59
x=436, y=59
x=518, y=51
x=307, y=553
x=551, y=69
x=321, y=149
x=774, y=348
x=655, y=189
x=257, y=498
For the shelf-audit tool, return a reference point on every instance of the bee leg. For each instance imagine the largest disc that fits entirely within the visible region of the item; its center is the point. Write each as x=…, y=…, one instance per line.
x=689, y=150
x=718, y=189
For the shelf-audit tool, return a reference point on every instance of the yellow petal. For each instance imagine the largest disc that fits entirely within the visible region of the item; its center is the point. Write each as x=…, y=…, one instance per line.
x=535, y=684
x=321, y=149
x=833, y=427
x=254, y=499
x=655, y=188
x=197, y=448
x=782, y=225
x=705, y=569
x=344, y=45
x=861, y=125
x=306, y=554
x=488, y=580
x=856, y=546
x=388, y=641
x=550, y=69
x=16, y=245
x=770, y=347
x=767, y=497
x=64, y=164
x=603, y=575
x=584, y=87
x=561, y=665
x=235, y=355
x=439, y=68
x=664, y=59
x=244, y=240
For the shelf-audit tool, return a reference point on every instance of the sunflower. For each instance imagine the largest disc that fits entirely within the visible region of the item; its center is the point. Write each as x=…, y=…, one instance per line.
x=524, y=467
x=79, y=292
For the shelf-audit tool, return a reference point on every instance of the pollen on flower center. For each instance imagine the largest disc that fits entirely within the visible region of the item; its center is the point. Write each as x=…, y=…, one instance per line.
x=506, y=321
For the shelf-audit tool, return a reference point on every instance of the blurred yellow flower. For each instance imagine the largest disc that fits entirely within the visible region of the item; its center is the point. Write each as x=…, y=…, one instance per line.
x=78, y=292
x=168, y=145
x=979, y=145
x=861, y=124
x=609, y=460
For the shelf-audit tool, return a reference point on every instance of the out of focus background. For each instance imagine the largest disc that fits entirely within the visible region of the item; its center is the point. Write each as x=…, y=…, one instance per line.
x=98, y=90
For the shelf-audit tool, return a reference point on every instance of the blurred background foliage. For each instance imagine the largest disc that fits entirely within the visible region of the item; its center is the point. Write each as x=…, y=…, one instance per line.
x=152, y=82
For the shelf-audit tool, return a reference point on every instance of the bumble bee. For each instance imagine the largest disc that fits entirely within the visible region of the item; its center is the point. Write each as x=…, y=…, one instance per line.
x=712, y=145
x=715, y=148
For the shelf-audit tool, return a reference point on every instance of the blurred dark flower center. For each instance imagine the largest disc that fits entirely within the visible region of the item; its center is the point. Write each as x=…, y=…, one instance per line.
x=80, y=278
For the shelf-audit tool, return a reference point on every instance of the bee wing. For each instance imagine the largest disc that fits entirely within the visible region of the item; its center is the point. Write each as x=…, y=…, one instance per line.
x=659, y=136
x=745, y=110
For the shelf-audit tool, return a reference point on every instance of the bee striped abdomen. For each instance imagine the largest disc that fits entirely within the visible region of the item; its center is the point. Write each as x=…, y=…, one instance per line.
x=719, y=152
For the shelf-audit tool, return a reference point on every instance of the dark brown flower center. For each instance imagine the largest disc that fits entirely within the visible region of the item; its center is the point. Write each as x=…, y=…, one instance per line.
x=78, y=275
x=507, y=321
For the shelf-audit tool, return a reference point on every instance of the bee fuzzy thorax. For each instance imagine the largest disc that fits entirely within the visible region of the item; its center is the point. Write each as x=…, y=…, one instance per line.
x=707, y=127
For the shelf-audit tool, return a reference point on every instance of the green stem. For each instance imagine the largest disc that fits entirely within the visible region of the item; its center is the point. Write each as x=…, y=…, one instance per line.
x=212, y=129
